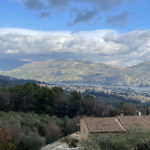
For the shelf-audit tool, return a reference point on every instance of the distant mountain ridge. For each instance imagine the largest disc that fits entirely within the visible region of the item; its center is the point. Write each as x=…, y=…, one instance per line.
x=71, y=71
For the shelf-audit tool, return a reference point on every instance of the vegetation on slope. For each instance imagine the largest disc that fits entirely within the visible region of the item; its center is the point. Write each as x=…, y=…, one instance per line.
x=33, y=98
x=32, y=116
x=84, y=72
x=30, y=131
x=137, y=140
x=6, y=81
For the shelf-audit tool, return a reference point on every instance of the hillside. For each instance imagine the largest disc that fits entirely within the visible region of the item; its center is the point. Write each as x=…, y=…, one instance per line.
x=6, y=81
x=83, y=72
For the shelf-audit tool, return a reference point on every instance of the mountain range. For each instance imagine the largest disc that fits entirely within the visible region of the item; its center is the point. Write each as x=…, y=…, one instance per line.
x=71, y=71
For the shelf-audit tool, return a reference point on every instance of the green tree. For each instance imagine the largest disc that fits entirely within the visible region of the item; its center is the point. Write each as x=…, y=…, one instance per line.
x=75, y=103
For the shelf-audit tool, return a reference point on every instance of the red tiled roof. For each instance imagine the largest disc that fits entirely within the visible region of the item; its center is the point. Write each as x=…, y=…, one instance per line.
x=103, y=125
x=136, y=122
x=117, y=124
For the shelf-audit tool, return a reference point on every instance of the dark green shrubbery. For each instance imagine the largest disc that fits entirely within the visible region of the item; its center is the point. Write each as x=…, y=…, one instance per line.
x=33, y=98
x=30, y=131
x=30, y=140
x=135, y=140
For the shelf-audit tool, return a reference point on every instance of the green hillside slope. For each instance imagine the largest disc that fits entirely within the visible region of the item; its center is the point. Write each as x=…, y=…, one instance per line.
x=6, y=81
x=83, y=72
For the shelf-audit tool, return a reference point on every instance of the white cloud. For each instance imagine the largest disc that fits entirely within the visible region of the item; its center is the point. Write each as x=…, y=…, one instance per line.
x=86, y=34
x=11, y=51
x=107, y=45
x=26, y=60
x=29, y=32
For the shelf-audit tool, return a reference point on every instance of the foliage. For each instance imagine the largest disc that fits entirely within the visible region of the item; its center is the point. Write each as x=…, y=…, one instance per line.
x=71, y=71
x=34, y=116
x=33, y=98
x=30, y=131
x=6, y=138
x=133, y=139
x=9, y=81
x=30, y=140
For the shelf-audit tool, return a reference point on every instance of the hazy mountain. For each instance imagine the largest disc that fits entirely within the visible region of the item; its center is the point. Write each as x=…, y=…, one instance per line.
x=83, y=72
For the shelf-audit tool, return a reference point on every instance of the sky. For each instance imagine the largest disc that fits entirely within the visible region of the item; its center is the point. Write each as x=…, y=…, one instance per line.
x=115, y=32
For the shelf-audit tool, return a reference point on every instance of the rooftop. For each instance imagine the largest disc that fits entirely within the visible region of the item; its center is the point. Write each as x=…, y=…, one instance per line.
x=117, y=124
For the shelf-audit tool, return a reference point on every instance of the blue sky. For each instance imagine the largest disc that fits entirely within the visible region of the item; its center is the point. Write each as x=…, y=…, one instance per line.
x=58, y=29
x=15, y=14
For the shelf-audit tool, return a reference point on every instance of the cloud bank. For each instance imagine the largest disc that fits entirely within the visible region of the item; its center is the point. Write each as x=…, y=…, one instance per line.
x=105, y=46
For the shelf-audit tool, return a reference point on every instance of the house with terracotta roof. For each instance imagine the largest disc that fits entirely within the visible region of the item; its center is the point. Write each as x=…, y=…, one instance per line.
x=116, y=125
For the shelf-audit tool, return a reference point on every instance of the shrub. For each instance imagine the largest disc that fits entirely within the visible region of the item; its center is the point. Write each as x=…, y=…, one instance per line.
x=133, y=139
x=52, y=132
x=30, y=141
x=6, y=139
x=72, y=125
x=23, y=129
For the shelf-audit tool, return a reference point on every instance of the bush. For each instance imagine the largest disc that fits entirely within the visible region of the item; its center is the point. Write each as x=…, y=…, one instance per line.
x=27, y=129
x=6, y=139
x=30, y=141
x=138, y=140
x=72, y=125
x=10, y=146
x=52, y=132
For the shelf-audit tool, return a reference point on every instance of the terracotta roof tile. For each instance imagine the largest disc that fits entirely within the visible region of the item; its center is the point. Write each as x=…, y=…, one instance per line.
x=136, y=122
x=117, y=124
x=103, y=125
